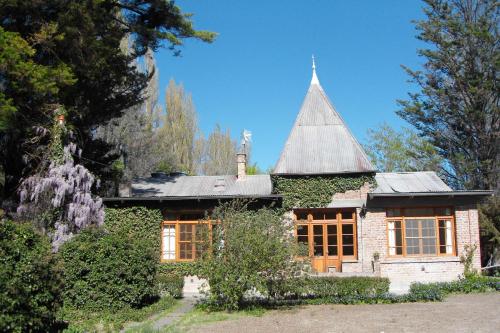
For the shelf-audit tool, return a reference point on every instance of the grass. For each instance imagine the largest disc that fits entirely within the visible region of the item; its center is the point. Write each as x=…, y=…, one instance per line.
x=201, y=317
x=113, y=321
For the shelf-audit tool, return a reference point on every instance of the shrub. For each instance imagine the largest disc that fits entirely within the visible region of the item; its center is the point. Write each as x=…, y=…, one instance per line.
x=252, y=251
x=105, y=270
x=323, y=287
x=29, y=282
x=169, y=284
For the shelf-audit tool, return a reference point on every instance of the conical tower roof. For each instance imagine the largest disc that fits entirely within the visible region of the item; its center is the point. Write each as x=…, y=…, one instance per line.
x=320, y=142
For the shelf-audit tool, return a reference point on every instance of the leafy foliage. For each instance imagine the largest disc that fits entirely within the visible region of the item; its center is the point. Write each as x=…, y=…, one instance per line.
x=23, y=77
x=322, y=287
x=29, y=280
x=169, y=284
x=457, y=107
x=105, y=271
x=111, y=320
x=393, y=151
x=315, y=191
x=81, y=43
x=136, y=222
x=252, y=251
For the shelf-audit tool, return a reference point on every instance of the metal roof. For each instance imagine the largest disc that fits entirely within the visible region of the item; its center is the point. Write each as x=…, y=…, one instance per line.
x=409, y=182
x=202, y=186
x=320, y=142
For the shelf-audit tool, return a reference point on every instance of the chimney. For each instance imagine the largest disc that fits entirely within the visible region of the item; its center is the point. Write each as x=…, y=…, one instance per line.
x=241, y=160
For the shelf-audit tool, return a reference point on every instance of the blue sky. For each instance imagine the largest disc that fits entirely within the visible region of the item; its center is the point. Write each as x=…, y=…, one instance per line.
x=256, y=74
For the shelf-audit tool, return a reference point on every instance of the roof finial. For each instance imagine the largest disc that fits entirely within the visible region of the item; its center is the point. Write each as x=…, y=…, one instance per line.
x=314, y=79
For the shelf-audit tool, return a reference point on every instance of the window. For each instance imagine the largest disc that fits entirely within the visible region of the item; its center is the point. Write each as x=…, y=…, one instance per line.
x=420, y=232
x=185, y=239
x=326, y=232
x=168, y=241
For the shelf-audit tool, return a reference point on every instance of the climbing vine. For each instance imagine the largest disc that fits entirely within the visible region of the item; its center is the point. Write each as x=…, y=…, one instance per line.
x=315, y=191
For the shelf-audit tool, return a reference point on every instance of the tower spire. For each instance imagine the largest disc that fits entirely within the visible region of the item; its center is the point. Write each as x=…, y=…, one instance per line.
x=314, y=79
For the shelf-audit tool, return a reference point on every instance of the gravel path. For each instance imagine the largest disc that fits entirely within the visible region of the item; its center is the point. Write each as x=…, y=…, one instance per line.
x=461, y=313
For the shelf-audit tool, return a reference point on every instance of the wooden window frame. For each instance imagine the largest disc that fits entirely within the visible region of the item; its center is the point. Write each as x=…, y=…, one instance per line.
x=338, y=221
x=193, y=241
x=436, y=219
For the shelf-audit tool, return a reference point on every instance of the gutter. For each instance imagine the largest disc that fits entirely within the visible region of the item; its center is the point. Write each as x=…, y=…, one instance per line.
x=185, y=198
x=433, y=194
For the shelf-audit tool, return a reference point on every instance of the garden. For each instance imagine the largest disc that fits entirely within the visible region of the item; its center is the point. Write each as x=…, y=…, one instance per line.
x=108, y=276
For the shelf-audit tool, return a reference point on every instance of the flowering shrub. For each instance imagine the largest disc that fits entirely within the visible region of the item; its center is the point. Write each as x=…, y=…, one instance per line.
x=60, y=197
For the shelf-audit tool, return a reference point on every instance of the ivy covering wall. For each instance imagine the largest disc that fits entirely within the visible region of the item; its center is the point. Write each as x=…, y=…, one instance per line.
x=145, y=224
x=139, y=222
x=315, y=191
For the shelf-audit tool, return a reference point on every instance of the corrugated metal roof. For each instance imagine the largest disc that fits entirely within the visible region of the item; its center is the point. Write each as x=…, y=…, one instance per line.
x=320, y=142
x=406, y=182
x=191, y=186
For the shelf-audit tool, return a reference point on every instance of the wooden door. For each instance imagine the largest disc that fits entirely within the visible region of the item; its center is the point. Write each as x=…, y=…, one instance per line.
x=325, y=247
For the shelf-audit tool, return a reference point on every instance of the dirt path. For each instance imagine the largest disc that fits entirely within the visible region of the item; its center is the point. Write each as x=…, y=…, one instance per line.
x=463, y=313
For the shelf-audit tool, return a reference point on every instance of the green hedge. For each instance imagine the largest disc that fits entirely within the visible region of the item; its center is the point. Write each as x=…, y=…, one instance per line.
x=105, y=270
x=320, y=287
x=29, y=281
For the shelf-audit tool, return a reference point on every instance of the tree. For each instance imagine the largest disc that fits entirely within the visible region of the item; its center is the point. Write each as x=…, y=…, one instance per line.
x=457, y=107
x=220, y=153
x=178, y=133
x=84, y=38
x=392, y=151
x=133, y=134
x=251, y=251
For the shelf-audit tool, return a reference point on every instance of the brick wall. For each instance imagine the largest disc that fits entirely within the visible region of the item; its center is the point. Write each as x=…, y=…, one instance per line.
x=372, y=238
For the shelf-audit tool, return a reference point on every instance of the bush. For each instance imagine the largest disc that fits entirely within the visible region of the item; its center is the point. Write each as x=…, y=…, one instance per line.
x=324, y=287
x=253, y=252
x=105, y=270
x=169, y=284
x=438, y=290
x=29, y=282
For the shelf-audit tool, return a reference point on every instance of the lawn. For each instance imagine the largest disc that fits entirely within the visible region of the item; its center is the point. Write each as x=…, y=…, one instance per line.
x=113, y=321
x=457, y=313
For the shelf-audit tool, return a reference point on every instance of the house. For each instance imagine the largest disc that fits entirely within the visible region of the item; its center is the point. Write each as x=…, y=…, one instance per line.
x=408, y=226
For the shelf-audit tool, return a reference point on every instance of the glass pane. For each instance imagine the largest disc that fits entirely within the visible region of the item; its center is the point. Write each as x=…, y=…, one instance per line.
x=347, y=239
x=332, y=250
x=318, y=240
x=348, y=250
x=186, y=251
x=445, y=241
x=331, y=229
x=347, y=229
x=168, y=251
x=332, y=240
x=318, y=251
x=347, y=215
x=301, y=216
x=302, y=234
x=186, y=231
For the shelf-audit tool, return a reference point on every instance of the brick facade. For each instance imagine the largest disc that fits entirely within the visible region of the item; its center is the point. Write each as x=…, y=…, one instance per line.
x=372, y=240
